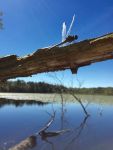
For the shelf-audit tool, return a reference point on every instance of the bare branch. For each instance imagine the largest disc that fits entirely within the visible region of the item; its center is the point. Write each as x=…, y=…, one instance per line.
x=80, y=102
x=47, y=124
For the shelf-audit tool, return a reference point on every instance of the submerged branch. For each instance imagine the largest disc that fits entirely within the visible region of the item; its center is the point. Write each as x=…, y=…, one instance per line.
x=31, y=141
x=47, y=125
x=81, y=103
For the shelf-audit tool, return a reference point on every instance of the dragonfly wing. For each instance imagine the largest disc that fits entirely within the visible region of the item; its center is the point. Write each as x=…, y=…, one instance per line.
x=64, y=31
x=71, y=25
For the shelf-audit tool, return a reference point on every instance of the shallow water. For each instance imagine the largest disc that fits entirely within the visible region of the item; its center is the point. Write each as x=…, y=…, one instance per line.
x=18, y=122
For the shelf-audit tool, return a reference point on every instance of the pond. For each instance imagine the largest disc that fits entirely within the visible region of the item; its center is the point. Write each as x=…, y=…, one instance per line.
x=23, y=116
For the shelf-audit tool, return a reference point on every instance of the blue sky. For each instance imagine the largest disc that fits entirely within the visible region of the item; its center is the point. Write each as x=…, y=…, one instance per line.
x=33, y=24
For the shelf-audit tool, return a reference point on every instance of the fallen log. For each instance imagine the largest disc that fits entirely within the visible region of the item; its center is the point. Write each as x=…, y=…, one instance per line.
x=31, y=142
x=26, y=144
x=57, y=58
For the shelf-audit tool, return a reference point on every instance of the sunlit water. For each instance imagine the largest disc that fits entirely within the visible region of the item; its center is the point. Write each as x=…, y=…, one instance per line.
x=19, y=121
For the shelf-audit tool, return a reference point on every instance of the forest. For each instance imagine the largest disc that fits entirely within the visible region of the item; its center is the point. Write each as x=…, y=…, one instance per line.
x=21, y=86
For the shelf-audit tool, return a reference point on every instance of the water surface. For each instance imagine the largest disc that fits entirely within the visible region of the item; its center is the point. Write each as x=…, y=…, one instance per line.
x=20, y=120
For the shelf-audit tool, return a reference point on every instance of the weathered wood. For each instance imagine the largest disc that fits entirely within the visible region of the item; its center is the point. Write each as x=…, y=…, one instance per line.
x=58, y=58
x=28, y=143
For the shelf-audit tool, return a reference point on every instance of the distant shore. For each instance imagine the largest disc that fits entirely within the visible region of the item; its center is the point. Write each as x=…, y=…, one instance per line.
x=21, y=86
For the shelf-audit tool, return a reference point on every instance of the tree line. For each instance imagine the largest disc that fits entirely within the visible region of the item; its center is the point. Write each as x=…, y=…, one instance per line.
x=21, y=86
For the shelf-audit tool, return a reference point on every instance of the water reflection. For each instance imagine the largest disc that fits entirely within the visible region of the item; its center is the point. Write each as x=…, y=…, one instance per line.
x=77, y=132
x=31, y=142
x=68, y=129
x=19, y=103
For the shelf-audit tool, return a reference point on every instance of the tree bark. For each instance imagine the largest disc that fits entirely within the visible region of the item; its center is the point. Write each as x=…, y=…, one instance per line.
x=57, y=58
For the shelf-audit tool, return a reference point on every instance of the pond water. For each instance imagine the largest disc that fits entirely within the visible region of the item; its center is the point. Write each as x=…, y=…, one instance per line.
x=21, y=120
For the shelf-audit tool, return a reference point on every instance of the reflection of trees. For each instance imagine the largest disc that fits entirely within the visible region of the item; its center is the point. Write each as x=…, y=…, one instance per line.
x=45, y=136
x=19, y=103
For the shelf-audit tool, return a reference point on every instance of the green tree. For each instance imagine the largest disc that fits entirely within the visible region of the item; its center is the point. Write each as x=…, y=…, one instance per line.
x=1, y=20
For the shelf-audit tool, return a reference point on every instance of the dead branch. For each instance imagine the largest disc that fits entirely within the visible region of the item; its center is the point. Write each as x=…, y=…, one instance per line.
x=26, y=144
x=80, y=102
x=47, y=124
x=58, y=58
x=31, y=141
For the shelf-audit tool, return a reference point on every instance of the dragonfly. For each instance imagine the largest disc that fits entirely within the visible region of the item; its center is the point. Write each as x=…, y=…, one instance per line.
x=66, y=34
x=66, y=37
